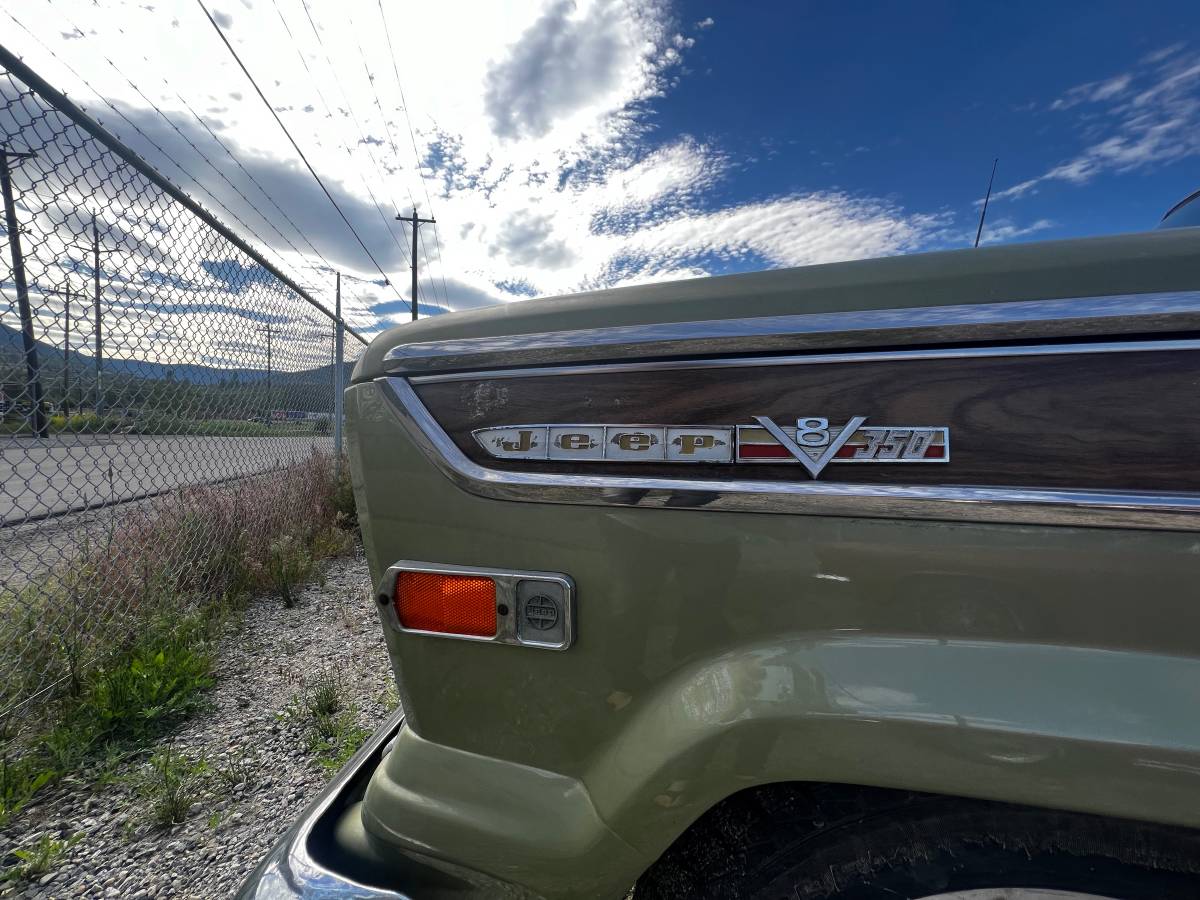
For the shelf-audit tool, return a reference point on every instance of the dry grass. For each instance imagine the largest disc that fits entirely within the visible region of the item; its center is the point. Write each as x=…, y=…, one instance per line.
x=117, y=642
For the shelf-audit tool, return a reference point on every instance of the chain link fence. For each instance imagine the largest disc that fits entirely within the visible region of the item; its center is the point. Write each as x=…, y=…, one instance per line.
x=169, y=400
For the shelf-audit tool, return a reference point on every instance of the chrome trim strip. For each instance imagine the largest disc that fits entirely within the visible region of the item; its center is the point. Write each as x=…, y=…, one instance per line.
x=507, y=580
x=1019, y=320
x=1109, y=509
x=739, y=362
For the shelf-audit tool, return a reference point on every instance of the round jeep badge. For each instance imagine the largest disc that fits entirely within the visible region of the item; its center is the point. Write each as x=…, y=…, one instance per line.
x=541, y=612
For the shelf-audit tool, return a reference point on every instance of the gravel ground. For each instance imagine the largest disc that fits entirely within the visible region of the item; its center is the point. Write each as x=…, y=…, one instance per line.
x=247, y=733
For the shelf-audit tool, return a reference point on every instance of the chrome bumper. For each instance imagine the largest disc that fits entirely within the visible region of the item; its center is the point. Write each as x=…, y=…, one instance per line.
x=290, y=871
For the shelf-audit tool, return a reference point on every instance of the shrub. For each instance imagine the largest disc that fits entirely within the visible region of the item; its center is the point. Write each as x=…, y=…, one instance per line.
x=91, y=423
x=289, y=565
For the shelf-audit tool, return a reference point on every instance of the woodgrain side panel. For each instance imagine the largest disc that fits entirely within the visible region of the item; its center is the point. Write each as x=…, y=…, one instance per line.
x=1109, y=421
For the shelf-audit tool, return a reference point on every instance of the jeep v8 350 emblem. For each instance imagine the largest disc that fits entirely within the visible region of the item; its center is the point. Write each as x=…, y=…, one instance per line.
x=812, y=442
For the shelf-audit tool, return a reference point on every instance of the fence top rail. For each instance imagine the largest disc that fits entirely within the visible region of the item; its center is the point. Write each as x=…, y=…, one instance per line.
x=60, y=101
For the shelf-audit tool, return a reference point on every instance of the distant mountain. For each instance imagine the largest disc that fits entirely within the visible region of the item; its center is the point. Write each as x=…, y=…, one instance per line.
x=50, y=359
x=198, y=390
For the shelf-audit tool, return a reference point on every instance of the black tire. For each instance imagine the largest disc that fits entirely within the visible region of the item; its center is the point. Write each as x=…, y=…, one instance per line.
x=846, y=843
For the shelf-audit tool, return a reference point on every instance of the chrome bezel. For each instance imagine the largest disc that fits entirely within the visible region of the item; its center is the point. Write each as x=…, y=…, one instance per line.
x=1010, y=505
x=506, y=593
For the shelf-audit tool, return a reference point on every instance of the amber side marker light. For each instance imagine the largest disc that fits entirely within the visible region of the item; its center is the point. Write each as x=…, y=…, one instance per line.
x=447, y=604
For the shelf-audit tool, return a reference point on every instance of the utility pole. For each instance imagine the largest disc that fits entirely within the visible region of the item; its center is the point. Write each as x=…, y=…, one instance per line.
x=66, y=404
x=99, y=356
x=32, y=370
x=66, y=294
x=416, y=223
x=337, y=378
x=983, y=212
x=99, y=324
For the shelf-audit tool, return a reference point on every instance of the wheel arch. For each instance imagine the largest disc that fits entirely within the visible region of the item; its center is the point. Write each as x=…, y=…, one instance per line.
x=1038, y=725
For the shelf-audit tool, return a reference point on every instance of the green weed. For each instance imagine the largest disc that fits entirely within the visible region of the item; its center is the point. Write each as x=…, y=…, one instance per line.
x=327, y=719
x=153, y=686
x=334, y=740
x=389, y=697
x=170, y=785
x=132, y=697
x=234, y=771
x=20, y=779
x=35, y=861
x=323, y=695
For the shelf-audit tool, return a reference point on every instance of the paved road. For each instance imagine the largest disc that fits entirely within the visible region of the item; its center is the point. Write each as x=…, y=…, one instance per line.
x=69, y=472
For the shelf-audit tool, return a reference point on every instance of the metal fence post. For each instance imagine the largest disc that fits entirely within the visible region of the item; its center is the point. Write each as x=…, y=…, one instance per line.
x=66, y=401
x=337, y=376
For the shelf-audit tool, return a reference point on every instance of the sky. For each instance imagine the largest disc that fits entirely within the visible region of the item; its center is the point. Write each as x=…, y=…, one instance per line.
x=565, y=145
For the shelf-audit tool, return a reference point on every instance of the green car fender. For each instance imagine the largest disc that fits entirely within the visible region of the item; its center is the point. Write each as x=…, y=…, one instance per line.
x=716, y=652
x=1080, y=728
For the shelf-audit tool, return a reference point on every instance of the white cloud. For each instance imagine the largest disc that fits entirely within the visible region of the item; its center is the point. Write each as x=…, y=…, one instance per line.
x=1094, y=92
x=571, y=66
x=1157, y=56
x=1149, y=117
x=795, y=231
x=1004, y=230
x=533, y=132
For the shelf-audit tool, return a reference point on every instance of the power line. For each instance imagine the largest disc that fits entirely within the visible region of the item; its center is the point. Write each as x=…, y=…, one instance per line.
x=387, y=130
x=216, y=200
x=128, y=121
x=279, y=121
x=209, y=162
x=396, y=152
x=171, y=157
x=233, y=158
x=416, y=156
x=349, y=108
x=262, y=190
x=119, y=151
x=329, y=115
